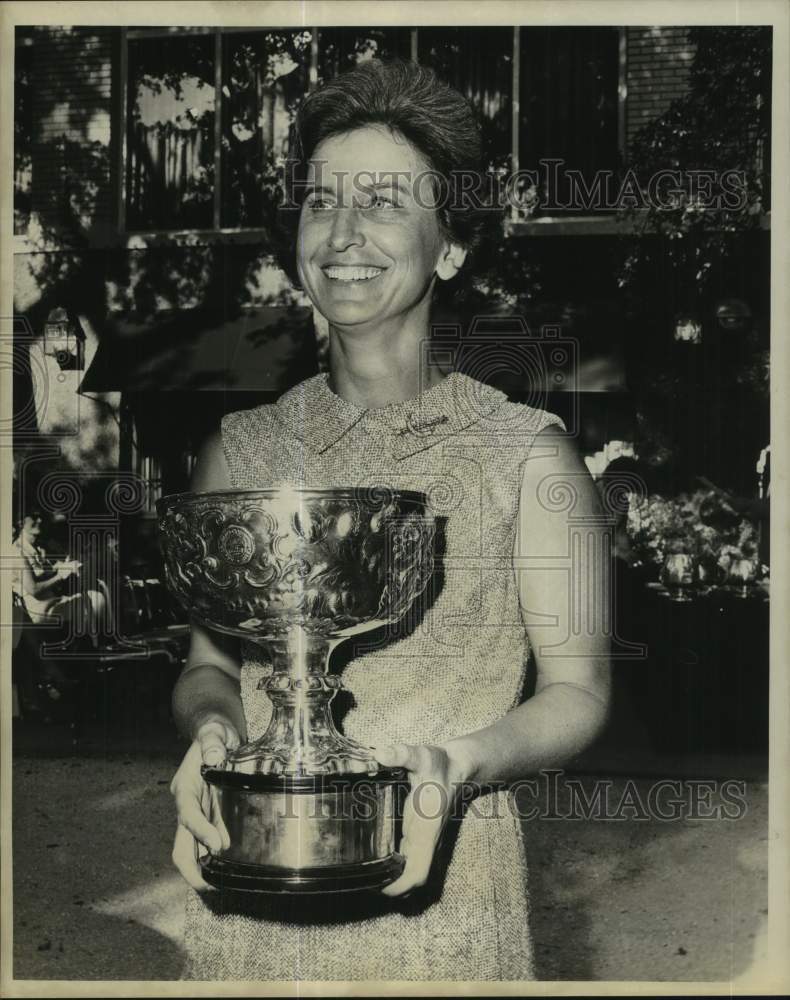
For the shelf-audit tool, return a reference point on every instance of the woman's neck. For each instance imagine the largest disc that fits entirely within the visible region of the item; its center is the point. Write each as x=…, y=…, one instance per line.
x=374, y=368
x=371, y=388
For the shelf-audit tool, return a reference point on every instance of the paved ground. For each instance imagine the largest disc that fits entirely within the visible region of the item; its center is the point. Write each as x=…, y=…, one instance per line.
x=619, y=898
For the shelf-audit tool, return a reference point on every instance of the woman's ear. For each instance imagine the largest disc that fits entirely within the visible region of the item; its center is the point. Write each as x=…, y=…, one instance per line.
x=451, y=261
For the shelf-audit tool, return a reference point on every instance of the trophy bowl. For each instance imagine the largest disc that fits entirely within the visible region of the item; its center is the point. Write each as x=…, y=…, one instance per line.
x=298, y=571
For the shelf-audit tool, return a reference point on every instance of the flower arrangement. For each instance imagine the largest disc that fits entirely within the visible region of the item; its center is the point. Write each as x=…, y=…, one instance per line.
x=701, y=524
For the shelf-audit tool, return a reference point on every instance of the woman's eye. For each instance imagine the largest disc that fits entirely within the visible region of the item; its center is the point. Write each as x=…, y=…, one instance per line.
x=382, y=201
x=319, y=204
x=377, y=201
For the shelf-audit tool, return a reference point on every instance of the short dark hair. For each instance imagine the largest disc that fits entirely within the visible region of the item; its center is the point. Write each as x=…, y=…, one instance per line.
x=411, y=100
x=34, y=514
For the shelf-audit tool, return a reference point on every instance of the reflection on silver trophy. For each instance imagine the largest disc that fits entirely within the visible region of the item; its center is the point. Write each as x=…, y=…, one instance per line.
x=298, y=571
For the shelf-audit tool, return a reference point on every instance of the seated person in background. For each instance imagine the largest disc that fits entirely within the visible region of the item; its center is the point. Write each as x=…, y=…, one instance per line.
x=42, y=584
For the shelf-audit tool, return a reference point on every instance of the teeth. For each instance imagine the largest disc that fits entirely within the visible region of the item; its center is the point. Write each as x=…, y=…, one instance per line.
x=352, y=273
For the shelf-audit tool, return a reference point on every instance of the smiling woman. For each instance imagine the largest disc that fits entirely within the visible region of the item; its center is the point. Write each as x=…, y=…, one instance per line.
x=437, y=164
x=441, y=697
x=371, y=255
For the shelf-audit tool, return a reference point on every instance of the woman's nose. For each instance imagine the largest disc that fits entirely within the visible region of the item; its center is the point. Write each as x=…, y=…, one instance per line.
x=346, y=230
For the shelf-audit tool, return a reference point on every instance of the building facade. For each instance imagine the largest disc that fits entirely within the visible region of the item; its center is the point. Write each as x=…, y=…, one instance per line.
x=147, y=172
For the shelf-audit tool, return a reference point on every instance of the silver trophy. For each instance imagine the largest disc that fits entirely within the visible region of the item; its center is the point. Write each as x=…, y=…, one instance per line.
x=297, y=572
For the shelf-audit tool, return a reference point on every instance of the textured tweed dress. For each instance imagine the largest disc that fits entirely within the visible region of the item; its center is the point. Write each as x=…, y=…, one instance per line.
x=459, y=669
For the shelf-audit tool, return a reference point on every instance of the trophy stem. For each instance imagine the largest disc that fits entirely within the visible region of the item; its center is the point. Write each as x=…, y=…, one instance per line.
x=297, y=571
x=299, y=653
x=301, y=738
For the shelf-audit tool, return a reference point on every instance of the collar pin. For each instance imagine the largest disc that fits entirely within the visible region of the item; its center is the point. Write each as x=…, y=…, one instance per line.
x=415, y=427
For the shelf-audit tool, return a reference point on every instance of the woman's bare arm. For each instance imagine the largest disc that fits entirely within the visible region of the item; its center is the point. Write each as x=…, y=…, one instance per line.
x=42, y=586
x=207, y=708
x=208, y=688
x=563, y=591
x=566, y=628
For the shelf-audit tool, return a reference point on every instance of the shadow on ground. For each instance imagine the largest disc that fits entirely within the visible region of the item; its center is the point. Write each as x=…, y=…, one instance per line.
x=634, y=898
x=95, y=896
x=638, y=898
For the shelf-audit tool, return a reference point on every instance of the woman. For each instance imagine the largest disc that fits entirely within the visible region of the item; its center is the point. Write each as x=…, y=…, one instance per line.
x=41, y=583
x=381, y=145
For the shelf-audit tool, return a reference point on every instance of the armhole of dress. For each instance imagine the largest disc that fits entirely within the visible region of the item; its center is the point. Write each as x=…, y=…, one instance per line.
x=535, y=420
x=544, y=419
x=549, y=419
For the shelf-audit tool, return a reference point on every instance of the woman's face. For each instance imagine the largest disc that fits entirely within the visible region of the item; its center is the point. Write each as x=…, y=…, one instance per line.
x=32, y=527
x=369, y=243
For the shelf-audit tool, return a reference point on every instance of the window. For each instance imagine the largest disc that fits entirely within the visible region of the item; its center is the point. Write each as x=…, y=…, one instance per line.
x=208, y=111
x=264, y=77
x=150, y=470
x=479, y=63
x=170, y=133
x=568, y=98
x=207, y=121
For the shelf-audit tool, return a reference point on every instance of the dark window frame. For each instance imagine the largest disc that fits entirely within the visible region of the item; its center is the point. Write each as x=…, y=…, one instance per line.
x=248, y=232
x=122, y=110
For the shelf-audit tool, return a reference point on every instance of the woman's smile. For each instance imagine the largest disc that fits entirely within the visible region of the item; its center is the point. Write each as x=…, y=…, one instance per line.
x=368, y=253
x=352, y=273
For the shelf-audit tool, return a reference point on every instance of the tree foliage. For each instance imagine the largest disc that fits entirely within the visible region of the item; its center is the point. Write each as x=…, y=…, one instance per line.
x=717, y=135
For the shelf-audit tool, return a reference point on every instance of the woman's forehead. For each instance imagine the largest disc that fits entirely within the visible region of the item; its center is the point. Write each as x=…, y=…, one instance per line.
x=374, y=149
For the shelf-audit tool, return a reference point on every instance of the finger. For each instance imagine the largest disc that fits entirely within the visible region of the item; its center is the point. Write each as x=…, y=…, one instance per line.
x=213, y=740
x=419, y=852
x=185, y=859
x=232, y=739
x=424, y=816
x=205, y=805
x=191, y=816
x=427, y=803
x=216, y=817
x=415, y=872
x=399, y=755
x=188, y=773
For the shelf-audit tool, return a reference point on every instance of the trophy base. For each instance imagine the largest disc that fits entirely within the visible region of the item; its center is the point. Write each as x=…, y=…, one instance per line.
x=238, y=877
x=306, y=833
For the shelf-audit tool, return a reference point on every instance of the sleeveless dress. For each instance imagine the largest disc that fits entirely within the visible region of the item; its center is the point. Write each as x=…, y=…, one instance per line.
x=457, y=670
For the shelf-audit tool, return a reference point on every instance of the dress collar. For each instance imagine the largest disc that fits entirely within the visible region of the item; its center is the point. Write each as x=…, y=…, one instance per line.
x=320, y=418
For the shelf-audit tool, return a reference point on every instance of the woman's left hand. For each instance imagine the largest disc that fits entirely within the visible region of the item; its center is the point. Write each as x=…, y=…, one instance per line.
x=434, y=775
x=68, y=567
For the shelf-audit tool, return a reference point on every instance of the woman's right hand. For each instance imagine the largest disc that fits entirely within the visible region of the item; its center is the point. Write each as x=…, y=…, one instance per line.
x=200, y=827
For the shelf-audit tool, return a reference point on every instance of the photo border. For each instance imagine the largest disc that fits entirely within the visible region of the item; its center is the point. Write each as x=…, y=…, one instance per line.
x=773, y=975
